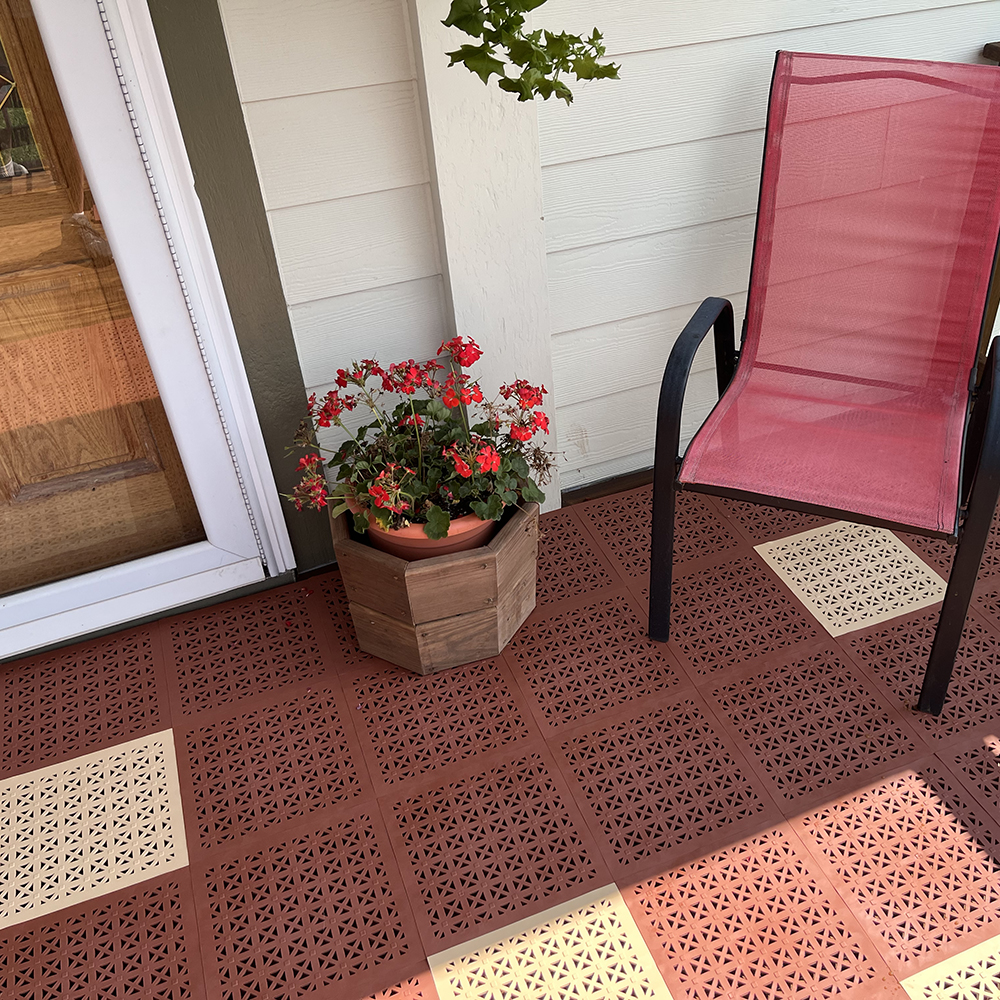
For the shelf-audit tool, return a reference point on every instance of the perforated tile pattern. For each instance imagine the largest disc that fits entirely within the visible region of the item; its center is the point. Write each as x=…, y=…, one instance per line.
x=890, y=845
x=751, y=921
x=341, y=628
x=414, y=988
x=260, y=644
x=734, y=612
x=982, y=765
x=305, y=915
x=58, y=705
x=567, y=562
x=253, y=770
x=487, y=846
x=589, y=659
x=762, y=523
x=898, y=654
x=853, y=575
x=592, y=951
x=973, y=975
x=698, y=529
x=70, y=832
x=416, y=724
x=660, y=780
x=623, y=521
x=133, y=947
x=812, y=722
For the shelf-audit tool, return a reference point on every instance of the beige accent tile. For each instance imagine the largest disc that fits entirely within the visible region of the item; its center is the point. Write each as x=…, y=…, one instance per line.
x=76, y=830
x=851, y=576
x=588, y=947
x=971, y=975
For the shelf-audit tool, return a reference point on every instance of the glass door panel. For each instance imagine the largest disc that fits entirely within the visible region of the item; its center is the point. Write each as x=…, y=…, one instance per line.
x=89, y=472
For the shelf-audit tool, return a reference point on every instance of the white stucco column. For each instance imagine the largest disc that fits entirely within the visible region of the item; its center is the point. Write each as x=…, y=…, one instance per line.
x=483, y=149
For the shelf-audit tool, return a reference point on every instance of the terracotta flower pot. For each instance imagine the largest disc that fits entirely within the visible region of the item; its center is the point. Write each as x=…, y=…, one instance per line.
x=464, y=533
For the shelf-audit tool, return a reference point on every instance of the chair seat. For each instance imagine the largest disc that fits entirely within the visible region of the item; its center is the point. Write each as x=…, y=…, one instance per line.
x=883, y=450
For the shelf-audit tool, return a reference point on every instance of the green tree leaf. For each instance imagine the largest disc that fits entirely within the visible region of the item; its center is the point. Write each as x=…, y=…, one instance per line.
x=467, y=15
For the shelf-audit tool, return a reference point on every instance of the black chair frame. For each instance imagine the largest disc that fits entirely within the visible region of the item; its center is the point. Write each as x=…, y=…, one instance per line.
x=980, y=489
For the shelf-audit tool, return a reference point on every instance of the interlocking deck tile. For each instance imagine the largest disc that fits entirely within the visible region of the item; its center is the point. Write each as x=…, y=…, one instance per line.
x=76, y=830
x=58, y=705
x=339, y=626
x=918, y=859
x=853, y=575
x=587, y=948
x=490, y=845
x=812, y=723
x=251, y=771
x=972, y=975
x=762, y=523
x=898, y=652
x=662, y=780
x=731, y=613
x=140, y=944
x=980, y=761
x=588, y=659
x=624, y=522
x=316, y=912
x=413, y=988
x=754, y=920
x=567, y=561
x=416, y=724
x=260, y=643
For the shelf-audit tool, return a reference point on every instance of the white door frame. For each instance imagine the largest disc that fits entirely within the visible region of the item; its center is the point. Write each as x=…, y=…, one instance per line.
x=108, y=70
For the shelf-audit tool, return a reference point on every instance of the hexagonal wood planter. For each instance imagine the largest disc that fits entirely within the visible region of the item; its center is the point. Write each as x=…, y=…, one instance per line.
x=440, y=612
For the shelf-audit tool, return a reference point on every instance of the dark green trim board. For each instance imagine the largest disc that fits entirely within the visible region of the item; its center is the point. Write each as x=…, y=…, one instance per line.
x=196, y=58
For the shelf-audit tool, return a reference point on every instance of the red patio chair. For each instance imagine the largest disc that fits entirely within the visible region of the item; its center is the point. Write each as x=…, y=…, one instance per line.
x=862, y=389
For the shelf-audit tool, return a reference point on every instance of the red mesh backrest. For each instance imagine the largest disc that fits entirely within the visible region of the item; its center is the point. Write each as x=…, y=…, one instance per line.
x=876, y=232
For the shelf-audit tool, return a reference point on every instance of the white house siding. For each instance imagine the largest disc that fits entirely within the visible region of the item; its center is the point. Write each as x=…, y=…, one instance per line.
x=650, y=186
x=330, y=96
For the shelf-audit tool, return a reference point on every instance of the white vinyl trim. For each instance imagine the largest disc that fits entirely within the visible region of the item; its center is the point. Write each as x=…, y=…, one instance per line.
x=107, y=68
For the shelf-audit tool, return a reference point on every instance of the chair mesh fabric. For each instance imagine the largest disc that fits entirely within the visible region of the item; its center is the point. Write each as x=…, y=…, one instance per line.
x=876, y=232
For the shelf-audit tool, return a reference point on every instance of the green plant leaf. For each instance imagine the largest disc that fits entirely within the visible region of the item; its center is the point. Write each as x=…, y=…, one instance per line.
x=531, y=493
x=361, y=521
x=467, y=15
x=479, y=59
x=438, y=521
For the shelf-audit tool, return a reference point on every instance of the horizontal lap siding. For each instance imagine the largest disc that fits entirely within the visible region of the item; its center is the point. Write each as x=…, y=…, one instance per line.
x=650, y=187
x=330, y=97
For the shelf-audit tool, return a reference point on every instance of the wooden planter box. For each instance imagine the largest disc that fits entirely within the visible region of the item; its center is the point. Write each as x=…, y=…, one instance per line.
x=446, y=610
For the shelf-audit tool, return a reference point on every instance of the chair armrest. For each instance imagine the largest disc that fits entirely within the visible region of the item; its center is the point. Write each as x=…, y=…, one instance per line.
x=713, y=312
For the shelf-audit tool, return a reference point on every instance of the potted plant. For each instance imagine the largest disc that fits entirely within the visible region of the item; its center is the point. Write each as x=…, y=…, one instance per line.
x=427, y=482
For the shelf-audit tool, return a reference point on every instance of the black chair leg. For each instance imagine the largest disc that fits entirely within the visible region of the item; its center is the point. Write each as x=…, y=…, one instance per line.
x=661, y=555
x=968, y=556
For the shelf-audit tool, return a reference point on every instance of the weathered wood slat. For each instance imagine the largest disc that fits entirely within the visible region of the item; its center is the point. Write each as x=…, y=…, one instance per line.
x=452, y=584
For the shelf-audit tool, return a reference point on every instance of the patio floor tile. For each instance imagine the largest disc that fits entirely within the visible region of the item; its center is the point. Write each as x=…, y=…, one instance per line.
x=589, y=947
x=919, y=863
x=493, y=847
x=775, y=817
x=812, y=723
x=756, y=920
x=733, y=612
x=58, y=705
x=587, y=659
x=663, y=780
x=413, y=724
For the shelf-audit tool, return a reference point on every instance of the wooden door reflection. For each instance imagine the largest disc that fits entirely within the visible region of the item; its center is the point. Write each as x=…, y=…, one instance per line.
x=89, y=473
